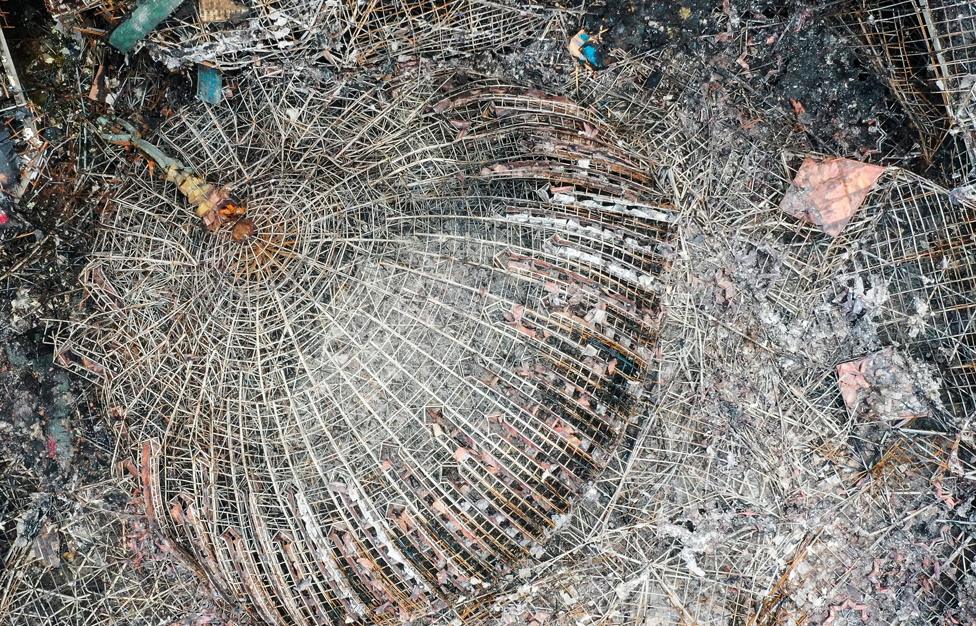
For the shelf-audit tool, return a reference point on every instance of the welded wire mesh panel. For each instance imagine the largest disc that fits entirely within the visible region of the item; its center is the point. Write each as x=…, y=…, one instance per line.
x=392, y=393
x=921, y=257
x=927, y=51
x=347, y=33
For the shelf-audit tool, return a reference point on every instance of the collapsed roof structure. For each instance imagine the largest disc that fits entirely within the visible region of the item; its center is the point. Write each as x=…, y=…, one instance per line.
x=419, y=374
x=486, y=353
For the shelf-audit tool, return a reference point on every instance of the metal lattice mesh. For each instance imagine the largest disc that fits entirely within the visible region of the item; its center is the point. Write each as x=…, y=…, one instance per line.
x=350, y=33
x=920, y=253
x=396, y=387
x=497, y=356
x=927, y=51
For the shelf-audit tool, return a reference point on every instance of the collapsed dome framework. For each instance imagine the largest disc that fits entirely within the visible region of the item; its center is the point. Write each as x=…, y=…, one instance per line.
x=391, y=395
x=386, y=403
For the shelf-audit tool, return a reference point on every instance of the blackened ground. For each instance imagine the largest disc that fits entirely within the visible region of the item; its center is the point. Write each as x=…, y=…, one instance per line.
x=51, y=439
x=796, y=56
x=791, y=55
x=635, y=25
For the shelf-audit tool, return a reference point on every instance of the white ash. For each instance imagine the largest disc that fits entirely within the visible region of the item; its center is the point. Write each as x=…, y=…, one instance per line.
x=23, y=311
x=899, y=388
x=692, y=544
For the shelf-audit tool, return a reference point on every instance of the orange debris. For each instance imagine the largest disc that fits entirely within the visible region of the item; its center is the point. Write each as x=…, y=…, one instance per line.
x=828, y=193
x=850, y=379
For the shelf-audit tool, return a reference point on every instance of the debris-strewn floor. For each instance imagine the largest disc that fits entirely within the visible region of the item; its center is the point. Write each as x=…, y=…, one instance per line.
x=478, y=281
